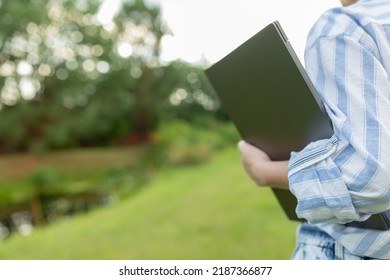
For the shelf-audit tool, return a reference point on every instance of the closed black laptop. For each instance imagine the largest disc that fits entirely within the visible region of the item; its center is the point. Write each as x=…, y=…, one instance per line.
x=272, y=102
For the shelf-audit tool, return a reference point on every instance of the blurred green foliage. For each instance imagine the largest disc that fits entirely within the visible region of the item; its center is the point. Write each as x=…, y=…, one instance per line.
x=45, y=178
x=181, y=143
x=72, y=75
x=68, y=174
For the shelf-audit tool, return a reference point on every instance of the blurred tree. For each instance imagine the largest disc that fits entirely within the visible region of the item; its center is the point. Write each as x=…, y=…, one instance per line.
x=191, y=97
x=86, y=72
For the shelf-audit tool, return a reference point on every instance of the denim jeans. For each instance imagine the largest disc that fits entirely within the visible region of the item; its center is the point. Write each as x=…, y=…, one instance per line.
x=315, y=244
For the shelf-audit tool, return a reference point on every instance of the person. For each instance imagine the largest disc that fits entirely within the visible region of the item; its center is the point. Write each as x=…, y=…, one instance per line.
x=347, y=177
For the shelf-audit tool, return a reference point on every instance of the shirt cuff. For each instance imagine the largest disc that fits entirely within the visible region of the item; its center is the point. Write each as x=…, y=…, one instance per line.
x=318, y=185
x=312, y=154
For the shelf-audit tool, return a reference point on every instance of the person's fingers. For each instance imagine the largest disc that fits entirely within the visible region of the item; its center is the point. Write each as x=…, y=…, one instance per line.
x=247, y=148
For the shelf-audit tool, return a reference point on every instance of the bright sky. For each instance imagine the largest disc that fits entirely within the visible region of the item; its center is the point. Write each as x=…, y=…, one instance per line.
x=213, y=28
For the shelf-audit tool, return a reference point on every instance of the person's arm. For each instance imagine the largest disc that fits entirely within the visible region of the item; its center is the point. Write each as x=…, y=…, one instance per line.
x=262, y=170
x=346, y=178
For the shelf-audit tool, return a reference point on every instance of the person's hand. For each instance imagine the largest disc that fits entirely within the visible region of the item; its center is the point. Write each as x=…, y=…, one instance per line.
x=262, y=170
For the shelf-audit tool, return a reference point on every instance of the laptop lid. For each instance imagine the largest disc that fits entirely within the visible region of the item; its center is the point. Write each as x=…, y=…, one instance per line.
x=268, y=95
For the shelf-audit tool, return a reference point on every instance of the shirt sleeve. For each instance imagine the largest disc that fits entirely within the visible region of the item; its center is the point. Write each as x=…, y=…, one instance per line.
x=347, y=177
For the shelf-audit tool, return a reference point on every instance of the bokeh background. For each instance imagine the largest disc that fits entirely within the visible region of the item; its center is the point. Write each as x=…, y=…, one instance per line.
x=113, y=145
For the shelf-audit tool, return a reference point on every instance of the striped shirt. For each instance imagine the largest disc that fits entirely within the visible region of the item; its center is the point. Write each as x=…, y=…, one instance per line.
x=347, y=177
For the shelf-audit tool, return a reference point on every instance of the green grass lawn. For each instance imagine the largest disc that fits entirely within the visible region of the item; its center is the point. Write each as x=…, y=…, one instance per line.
x=210, y=211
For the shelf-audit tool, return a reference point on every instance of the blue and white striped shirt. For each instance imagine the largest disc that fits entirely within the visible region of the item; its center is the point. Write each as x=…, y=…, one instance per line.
x=347, y=178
